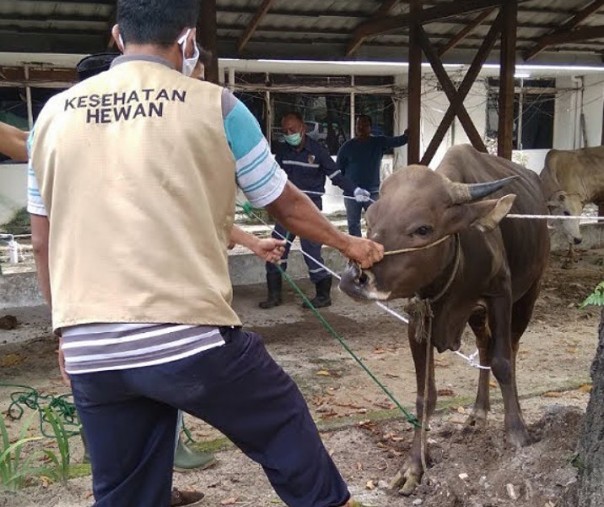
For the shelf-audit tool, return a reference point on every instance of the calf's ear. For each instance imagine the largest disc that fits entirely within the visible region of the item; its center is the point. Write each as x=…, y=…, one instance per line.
x=492, y=212
x=484, y=215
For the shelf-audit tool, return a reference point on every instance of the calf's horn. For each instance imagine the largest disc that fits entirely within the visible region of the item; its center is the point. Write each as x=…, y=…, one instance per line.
x=468, y=192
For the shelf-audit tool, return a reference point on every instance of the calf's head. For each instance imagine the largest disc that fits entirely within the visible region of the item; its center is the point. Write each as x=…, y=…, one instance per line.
x=562, y=203
x=417, y=207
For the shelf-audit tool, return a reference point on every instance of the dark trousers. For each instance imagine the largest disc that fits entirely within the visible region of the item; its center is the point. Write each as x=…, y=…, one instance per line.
x=353, y=213
x=129, y=417
x=315, y=271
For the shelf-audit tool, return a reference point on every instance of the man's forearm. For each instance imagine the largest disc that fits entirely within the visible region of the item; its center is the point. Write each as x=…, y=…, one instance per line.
x=297, y=213
x=13, y=142
x=41, y=258
x=39, y=240
x=240, y=237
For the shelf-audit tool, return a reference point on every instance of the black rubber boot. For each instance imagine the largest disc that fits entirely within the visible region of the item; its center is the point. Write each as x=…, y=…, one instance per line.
x=323, y=297
x=274, y=284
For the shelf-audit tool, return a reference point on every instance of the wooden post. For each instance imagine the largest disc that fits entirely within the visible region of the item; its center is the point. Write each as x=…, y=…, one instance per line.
x=206, y=33
x=415, y=85
x=506, y=79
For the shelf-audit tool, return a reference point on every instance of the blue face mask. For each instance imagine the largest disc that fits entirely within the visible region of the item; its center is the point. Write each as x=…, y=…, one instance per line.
x=293, y=139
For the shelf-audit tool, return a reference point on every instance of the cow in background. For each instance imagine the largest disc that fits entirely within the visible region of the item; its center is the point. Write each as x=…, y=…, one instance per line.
x=570, y=179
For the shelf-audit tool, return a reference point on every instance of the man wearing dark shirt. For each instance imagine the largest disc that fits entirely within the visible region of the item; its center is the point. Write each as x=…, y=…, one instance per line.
x=359, y=160
x=306, y=164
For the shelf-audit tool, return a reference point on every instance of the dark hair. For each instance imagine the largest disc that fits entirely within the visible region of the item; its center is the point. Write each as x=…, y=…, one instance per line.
x=365, y=117
x=157, y=22
x=295, y=114
x=94, y=64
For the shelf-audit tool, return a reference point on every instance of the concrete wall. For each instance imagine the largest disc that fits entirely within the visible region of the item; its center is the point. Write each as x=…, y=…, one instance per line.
x=570, y=104
x=13, y=190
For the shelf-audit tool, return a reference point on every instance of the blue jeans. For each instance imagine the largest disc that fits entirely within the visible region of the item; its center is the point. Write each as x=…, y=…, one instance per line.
x=353, y=213
x=129, y=416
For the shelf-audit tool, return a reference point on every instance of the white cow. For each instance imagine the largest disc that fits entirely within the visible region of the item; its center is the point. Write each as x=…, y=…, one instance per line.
x=570, y=180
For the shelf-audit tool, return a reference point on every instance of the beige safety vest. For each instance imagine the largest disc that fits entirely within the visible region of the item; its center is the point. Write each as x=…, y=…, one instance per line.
x=139, y=184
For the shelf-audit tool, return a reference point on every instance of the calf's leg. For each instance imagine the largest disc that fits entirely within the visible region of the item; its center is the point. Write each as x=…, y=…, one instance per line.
x=411, y=473
x=503, y=369
x=479, y=325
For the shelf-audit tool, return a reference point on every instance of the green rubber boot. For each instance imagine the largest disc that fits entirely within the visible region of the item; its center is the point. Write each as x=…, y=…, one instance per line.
x=186, y=458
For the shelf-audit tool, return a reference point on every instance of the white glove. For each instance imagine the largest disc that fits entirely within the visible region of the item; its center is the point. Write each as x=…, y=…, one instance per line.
x=362, y=195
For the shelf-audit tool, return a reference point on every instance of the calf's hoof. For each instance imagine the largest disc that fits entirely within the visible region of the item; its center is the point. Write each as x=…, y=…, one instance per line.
x=477, y=419
x=519, y=437
x=405, y=481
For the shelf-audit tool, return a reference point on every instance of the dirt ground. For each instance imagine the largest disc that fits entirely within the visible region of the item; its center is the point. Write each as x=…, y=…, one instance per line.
x=360, y=426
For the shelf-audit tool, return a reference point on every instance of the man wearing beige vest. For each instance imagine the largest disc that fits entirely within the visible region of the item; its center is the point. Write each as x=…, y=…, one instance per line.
x=137, y=171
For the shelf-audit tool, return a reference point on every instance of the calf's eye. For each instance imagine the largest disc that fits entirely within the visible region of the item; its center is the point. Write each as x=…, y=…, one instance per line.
x=424, y=230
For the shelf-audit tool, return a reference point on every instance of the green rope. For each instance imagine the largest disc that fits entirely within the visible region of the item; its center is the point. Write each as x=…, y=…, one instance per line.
x=30, y=398
x=247, y=208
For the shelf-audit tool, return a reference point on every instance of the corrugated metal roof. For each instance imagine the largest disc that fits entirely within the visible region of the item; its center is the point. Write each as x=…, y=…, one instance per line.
x=319, y=29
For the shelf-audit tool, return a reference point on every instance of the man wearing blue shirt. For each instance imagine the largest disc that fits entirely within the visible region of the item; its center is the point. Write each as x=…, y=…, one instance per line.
x=306, y=164
x=359, y=160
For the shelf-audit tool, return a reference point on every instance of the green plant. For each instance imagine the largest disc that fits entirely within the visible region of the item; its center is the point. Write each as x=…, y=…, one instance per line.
x=596, y=298
x=15, y=465
x=19, y=223
x=60, y=469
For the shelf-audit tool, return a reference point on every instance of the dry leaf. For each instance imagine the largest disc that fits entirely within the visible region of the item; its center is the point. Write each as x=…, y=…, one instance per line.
x=230, y=501
x=370, y=485
x=552, y=394
x=585, y=388
x=324, y=373
x=445, y=392
x=11, y=360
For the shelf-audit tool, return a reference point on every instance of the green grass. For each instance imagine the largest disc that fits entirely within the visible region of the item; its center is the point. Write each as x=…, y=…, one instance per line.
x=19, y=224
x=16, y=466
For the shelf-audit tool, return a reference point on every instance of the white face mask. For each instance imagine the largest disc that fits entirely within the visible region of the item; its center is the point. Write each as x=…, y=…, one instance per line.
x=188, y=64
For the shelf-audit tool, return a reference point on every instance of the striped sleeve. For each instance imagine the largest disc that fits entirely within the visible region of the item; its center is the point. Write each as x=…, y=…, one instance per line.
x=257, y=172
x=35, y=206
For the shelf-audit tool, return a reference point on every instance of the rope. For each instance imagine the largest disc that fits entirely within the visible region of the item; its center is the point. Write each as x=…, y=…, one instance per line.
x=509, y=215
x=30, y=398
x=554, y=217
x=410, y=418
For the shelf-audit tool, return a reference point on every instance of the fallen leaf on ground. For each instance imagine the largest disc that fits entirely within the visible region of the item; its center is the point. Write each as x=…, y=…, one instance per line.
x=552, y=394
x=585, y=388
x=445, y=392
x=324, y=373
x=230, y=501
x=370, y=485
x=11, y=360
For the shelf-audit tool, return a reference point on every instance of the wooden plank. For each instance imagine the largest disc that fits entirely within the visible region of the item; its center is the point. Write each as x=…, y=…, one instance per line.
x=580, y=16
x=357, y=40
x=580, y=34
x=456, y=97
x=466, y=31
x=506, y=79
x=207, y=35
x=414, y=87
x=445, y=10
x=251, y=27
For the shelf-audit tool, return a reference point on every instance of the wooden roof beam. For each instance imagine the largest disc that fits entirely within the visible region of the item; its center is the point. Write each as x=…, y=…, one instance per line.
x=392, y=23
x=466, y=31
x=256, y=20
x=572, y=23
x=358, y=39
x=580, y=34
